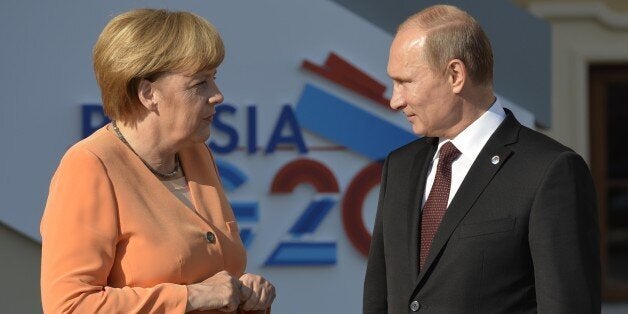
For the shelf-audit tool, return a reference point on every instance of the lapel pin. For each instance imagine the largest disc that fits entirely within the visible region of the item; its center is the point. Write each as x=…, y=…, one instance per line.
x=495, y=160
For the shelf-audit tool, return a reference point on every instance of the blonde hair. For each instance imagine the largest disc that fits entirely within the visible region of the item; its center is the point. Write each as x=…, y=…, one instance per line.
x=454, y=34
x=142, y=44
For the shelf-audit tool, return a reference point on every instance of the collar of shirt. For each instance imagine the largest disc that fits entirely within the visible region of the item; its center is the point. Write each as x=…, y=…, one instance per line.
x=472, y=139
x=469, y=142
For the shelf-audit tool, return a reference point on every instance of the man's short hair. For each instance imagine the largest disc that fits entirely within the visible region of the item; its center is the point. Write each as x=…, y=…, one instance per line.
x=454, y=34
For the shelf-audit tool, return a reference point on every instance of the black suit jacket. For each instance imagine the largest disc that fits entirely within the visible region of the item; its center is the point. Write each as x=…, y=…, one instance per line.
x=519, y=236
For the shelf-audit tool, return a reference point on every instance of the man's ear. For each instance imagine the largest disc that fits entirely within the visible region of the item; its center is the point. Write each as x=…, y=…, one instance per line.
x=146, y=94
x=457, y=75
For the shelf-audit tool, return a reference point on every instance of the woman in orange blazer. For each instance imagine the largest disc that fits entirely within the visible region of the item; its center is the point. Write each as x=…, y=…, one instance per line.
x=136, y=219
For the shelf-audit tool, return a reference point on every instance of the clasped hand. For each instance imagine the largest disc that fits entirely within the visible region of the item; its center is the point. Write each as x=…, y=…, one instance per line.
x=256, y=293
x=226, y=293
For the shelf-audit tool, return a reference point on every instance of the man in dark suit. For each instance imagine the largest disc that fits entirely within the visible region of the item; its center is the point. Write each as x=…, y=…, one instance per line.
x=482, y=215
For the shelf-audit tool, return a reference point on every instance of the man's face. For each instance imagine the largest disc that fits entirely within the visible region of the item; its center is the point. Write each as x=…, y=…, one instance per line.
x=423, y=95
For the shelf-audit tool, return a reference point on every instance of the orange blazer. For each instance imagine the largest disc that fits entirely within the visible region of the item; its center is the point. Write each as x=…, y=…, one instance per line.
x=116, y=240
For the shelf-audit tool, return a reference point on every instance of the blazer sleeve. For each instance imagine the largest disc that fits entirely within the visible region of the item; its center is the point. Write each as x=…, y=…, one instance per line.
x=79, y=232
x=564, y=239
x=375, y=288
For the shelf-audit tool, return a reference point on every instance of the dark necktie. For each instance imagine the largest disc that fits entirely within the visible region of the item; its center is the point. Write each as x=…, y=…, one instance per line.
x=436, y=203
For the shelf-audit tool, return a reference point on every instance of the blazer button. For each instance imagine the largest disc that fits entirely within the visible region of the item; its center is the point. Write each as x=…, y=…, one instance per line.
x=211, y=238
x=415, y=306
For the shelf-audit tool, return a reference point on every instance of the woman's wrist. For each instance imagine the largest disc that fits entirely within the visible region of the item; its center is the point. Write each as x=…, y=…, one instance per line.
x=191, y=302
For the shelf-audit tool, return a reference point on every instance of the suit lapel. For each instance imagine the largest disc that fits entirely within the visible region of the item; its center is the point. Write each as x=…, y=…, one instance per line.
x=479, y=176
x=205, y=188
x=418, y=176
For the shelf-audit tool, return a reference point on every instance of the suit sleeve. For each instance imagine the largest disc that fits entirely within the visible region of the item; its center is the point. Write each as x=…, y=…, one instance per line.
x=375, y=287
x=564, y=239
x=79, y=232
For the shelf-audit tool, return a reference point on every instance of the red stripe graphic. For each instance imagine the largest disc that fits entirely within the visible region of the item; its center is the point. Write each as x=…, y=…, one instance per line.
x=347, y=75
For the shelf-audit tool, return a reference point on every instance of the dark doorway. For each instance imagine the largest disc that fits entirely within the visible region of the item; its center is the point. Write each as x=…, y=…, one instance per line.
x=608, y=104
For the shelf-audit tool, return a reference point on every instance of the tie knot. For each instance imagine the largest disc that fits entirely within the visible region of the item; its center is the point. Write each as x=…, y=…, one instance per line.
x=448, y=152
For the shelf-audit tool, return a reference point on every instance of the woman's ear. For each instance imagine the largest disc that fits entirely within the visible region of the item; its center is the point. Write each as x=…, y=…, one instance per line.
x=457, y=75
x=146, y=94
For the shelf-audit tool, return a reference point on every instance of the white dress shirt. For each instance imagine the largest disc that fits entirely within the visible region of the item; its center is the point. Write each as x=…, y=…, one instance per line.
x=469, y=142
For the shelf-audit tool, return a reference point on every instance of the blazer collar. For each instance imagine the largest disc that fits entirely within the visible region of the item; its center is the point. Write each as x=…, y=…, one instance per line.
x=479, y=176
x=205, y=188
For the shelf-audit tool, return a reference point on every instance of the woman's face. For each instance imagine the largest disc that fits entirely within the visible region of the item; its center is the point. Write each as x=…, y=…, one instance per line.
x=186, y=104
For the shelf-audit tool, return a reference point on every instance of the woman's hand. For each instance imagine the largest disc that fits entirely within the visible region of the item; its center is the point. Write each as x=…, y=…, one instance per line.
x=256, y=293
x=221, y=292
